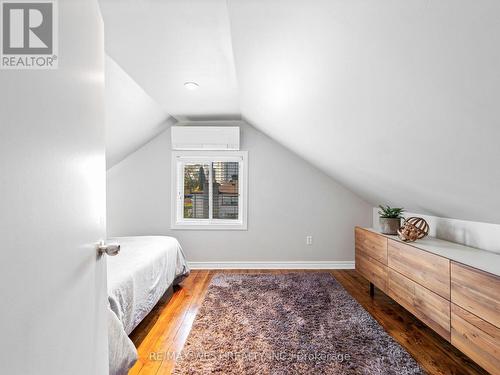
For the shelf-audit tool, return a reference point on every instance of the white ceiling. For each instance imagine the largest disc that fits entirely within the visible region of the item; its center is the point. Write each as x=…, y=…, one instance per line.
x=163, y=43
x=132, y=117
x=399, y=101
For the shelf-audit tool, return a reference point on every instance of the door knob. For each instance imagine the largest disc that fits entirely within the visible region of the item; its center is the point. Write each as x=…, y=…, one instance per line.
x=111, y=249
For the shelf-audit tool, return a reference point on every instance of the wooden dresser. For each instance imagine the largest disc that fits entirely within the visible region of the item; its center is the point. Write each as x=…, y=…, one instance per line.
x=453, y=289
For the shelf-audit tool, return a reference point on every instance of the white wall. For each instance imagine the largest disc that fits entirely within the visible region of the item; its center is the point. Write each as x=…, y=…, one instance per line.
x=288, y=199
x=470, y=233
x=396, y=100
x=132, y=117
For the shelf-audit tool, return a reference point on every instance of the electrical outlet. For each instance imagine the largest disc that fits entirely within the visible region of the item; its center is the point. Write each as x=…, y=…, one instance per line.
x=309, y=240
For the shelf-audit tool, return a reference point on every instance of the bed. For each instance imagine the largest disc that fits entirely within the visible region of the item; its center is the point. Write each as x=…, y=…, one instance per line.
x=145, y=269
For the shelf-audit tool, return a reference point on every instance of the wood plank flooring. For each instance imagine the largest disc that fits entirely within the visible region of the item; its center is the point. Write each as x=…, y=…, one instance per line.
x=167, y=327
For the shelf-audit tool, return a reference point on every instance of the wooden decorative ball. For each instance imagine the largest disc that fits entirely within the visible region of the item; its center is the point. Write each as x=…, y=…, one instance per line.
x=413, y=228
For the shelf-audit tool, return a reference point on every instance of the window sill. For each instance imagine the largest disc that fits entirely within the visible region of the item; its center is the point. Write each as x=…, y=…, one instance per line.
x=209, y=226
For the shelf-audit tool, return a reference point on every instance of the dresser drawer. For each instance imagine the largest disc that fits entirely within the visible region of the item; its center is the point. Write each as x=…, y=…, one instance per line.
x=372, y=270
x=429, y=270
x=429, y=307
x=476, y=291
x=477, y=338
x=371, y=244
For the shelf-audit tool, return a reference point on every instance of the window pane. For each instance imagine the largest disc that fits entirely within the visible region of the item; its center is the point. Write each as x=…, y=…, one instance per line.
x=196, y=178
x=225, y=190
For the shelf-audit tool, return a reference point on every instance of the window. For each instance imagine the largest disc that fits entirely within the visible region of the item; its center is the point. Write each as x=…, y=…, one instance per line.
x=210, y=190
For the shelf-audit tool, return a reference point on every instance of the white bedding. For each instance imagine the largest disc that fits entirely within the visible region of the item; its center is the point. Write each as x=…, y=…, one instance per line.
x=122, y=352
x=137, y=277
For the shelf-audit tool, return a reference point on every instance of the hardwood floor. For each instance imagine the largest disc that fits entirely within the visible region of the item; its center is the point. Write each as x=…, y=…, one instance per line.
x=167, y=327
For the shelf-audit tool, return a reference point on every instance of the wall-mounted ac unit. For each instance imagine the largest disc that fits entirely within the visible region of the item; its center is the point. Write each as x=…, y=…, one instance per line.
x=205, y=138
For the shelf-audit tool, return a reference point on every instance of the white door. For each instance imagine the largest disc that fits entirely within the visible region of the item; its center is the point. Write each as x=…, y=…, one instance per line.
x=52, y=206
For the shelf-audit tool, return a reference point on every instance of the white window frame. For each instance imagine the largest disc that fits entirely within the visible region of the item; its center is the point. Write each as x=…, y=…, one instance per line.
x=179, y=158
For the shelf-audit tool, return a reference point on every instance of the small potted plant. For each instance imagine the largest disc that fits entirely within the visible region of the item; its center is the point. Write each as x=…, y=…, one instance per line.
x=390, y=219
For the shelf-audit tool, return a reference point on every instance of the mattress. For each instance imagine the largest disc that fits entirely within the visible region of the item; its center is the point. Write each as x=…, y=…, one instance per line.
x=137, y=278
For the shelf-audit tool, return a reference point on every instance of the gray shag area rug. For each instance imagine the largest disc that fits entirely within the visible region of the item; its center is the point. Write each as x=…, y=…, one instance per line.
x=296, y=323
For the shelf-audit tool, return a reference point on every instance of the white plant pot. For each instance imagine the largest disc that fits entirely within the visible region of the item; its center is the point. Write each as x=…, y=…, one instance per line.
x=389, y=225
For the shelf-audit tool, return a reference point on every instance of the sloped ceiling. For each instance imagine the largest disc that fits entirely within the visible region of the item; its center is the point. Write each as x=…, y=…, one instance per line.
x=162, y=44
x=399, y=101
x=132, y=117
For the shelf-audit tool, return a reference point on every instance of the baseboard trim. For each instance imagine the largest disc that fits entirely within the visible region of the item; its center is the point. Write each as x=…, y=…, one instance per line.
x=322, y=265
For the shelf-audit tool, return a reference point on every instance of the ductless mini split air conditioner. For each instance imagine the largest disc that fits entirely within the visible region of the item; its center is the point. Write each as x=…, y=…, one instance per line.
x=206, y=138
